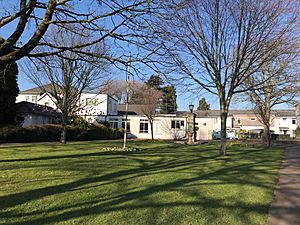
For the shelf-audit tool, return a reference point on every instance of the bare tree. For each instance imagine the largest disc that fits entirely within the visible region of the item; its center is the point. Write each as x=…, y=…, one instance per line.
x=117, y=89
x=66, y=76
x=95, y=22
x=149, y=99
x=218, y=44
x=281, y=86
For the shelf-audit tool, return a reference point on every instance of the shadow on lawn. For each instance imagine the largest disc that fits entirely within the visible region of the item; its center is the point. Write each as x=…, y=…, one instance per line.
x=227, y=174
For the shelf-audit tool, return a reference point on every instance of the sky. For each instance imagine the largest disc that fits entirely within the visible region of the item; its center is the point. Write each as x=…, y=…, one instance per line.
x=184, y=98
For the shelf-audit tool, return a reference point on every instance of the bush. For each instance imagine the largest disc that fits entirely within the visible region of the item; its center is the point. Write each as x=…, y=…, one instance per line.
x=298, y=132
x=52, y=132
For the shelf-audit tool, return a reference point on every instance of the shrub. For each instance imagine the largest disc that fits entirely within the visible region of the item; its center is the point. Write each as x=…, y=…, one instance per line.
x=52, y=132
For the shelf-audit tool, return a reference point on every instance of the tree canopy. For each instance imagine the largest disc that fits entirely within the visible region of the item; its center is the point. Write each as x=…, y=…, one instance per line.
x=8, y=92
x=203, y=105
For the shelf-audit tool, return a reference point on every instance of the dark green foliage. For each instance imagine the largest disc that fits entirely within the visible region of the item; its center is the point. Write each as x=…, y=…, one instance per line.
x=52, y=132
x=79, y=122
x=8, y=92
x=168, y=101
x=155, y=81
x=203, y=105
x=168, y=104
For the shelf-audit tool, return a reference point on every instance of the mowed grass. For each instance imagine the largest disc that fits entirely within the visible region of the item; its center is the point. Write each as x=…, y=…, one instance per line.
x=164, y=183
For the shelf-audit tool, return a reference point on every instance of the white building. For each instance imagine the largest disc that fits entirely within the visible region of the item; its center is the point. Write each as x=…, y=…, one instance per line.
x=101, y=107
x=90, y=105
x=166, y=126
x=173, y=126
x=285, y=122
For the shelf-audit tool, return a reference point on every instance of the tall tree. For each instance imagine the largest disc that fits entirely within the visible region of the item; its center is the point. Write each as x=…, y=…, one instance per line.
x=8, y=93
x=281, y=86
x=218, y=44
x=67, y=76
x=203, y=105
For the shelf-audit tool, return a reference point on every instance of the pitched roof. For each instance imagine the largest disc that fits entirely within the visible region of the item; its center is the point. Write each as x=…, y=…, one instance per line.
x=132, y=109
x=283, y=113
x=39, y=90
x=137, y=110
x=28, y=107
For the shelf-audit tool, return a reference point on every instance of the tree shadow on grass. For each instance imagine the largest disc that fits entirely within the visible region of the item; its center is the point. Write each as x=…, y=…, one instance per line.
x=123, y=201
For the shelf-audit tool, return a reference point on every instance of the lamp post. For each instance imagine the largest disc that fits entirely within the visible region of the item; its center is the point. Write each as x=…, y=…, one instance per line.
x=126, y=103
x=191, y=107
x=191, y=125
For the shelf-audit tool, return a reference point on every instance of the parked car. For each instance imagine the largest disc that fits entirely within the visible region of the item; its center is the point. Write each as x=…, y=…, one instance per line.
x=230, y=134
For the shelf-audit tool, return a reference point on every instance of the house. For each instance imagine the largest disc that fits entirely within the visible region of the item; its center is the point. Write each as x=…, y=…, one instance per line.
x=281, y=122
x=34, y=114
x=37, y=96
x=96, y=108
x=285, y=122
x=165, y=126
x=174, y=126
x=89, y=106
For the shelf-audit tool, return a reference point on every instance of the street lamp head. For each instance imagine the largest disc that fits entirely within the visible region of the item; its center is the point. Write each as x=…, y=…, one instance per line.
x=191, y=107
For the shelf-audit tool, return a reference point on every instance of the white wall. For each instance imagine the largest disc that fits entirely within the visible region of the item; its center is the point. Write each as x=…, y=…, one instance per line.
x=89, y=106
x=281, y=123
x=161, y=127
x=217, y=123
x=43, y=99
x=205, y=128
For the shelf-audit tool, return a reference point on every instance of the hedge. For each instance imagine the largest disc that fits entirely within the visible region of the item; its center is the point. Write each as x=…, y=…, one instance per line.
x=51, y=132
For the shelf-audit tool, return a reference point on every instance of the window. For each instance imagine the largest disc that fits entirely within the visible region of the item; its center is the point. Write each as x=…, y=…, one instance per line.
x=128, y=124
x=113, y=123
x=33, y=98
x=293, y=121
x=238, y=120
x=27, y=98
x=284, y=119
x=46, y=103
x=252, y=119
x=89, y=101
x=178, y=124
x=143, y=126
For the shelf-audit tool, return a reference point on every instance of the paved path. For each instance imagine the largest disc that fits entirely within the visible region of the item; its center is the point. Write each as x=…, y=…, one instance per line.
x=285, y=209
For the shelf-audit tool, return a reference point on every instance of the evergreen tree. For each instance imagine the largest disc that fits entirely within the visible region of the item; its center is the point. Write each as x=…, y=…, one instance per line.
x=203, y=105
x=168, y=102
x=8, y=92
x=155, y=81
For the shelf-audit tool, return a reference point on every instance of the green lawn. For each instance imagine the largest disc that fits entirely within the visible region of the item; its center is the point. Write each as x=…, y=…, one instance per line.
x=164, y=183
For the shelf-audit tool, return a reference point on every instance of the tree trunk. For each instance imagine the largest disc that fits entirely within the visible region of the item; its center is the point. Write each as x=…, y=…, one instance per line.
x=151, y=127
x=266, y=136
x=63, y=138
x=223, y=133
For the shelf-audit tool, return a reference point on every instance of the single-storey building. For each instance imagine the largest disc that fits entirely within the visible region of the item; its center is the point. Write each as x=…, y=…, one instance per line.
x=34, y=114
